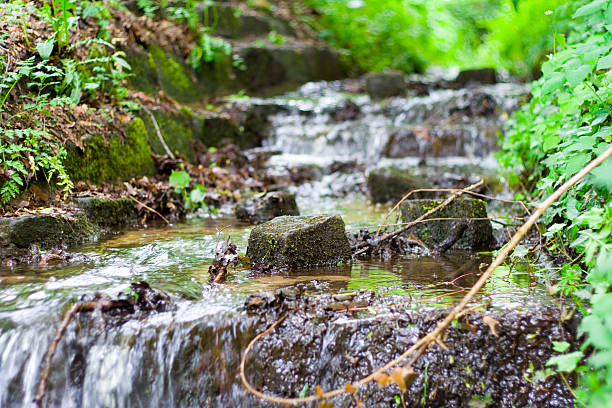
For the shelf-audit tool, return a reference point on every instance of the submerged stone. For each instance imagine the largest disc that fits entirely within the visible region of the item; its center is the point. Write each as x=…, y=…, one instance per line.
x=478, y=235
x=261, y=209
x=45, y=230
x=300, y=242
x=390, y=184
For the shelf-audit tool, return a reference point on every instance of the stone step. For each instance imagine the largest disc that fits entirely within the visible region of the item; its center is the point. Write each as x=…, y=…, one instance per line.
x=233, y=22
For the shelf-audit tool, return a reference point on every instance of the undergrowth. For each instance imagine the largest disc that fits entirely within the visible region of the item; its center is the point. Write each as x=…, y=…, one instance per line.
x=58, y=58
x=567, y=124
x=61, y=69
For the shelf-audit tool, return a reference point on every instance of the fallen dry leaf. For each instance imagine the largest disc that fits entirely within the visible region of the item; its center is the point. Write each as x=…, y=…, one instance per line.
x=403, y=377
x=383, y=380
x=492, y=323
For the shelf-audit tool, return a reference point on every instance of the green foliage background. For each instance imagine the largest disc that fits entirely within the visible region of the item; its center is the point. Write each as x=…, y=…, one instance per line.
x=410, y=35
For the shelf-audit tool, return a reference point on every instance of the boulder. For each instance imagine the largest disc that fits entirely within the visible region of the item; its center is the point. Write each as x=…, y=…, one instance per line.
x=300, y=242
x=478, y=235
x=261, y=209
x=391, y=184
x=386, y=84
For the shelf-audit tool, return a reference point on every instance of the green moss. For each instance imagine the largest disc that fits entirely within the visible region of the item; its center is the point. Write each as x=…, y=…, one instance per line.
x=113, y=160
x=107, y=212
x=175, y=131
x=175, y=78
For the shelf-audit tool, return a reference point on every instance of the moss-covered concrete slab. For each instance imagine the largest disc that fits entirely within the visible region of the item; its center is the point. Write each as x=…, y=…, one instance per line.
x=46, y=230
x=478, y=235
x=300, y=242
x=176, y=130
x=391, y=184
x=107, y=212
x=261, y=209
x=234, y=22
x=112, y=159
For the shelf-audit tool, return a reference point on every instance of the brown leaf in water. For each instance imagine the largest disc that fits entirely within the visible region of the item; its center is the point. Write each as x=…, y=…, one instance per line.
x=319, y=391
x=350, y=388
x=325, y=404
x=492, y=323
x=403, y=377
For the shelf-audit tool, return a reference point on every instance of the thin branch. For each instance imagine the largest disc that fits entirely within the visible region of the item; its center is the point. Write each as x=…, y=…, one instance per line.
x=159, y=134
x=150, y=209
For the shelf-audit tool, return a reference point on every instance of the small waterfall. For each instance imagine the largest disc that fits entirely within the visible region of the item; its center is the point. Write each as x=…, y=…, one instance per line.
x=460, y=123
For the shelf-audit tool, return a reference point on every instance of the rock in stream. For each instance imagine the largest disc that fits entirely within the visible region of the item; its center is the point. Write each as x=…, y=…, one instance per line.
x=478, y=235
x=261, y=209
x=300, y=242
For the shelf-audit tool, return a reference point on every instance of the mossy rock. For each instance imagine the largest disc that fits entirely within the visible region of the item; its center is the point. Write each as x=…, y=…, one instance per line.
x=112, y=160
x=262, y=209
x=47, y=231
x=300, y=242
x=108, y=212
x=390, y=184
x=478, y=235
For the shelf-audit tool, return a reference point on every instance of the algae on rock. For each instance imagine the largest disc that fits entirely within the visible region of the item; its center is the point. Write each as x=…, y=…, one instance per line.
x=114, y=159
x=300, y=241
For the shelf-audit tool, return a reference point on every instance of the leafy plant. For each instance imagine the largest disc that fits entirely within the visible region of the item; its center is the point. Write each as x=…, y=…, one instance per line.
x=26, y=152
x=565, y=125
x=195, y=197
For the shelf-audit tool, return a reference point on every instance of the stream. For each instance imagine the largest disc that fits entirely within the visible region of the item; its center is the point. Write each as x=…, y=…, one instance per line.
x=188, y=355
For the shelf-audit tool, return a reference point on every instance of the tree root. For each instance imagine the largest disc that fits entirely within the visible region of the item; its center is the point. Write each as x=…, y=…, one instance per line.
x=459, y=310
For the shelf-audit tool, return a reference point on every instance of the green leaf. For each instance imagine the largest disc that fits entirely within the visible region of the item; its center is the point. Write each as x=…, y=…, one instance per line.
x=576, y=76
x=565, y=362
x=198, y=194
x=553, y=83
x=179, y=179
x=560, y=346
x=45, y=48
x=550, y=140
x=304, y=391
x=577, y=162
x=600, y=176
x=591, y=8
x=605, y=62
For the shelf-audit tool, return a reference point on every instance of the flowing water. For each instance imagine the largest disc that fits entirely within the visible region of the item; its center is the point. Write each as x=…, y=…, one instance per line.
x=187, y=356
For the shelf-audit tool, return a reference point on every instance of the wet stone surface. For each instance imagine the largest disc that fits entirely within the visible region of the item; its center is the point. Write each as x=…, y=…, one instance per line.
x=478, y=235
x=261, y=209
x=318, y=344
x=300, y=242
